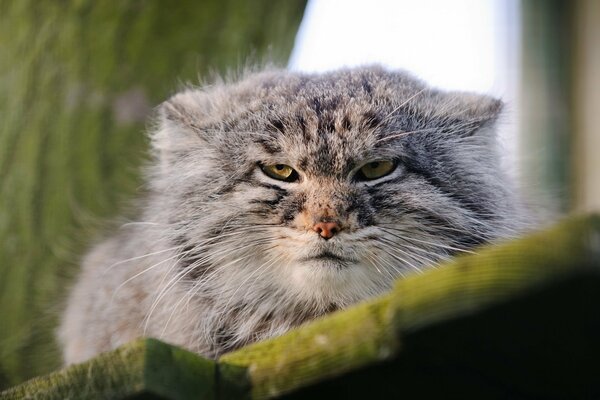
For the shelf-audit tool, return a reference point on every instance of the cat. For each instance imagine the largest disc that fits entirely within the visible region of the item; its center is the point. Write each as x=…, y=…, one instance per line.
x=280, y=196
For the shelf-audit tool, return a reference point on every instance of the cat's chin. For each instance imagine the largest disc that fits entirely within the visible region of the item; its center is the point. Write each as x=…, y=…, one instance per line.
x=334, y=280
x=329, y=263
x=328, y=259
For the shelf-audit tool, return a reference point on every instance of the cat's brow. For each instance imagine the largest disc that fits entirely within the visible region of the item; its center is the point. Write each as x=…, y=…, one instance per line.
x=404, y=134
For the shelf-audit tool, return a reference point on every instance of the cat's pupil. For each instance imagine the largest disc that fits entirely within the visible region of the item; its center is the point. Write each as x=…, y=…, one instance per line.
x=279, y=167
x=374, y=164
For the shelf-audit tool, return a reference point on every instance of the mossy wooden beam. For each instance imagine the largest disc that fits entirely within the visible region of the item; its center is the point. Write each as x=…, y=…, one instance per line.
x=143, y=368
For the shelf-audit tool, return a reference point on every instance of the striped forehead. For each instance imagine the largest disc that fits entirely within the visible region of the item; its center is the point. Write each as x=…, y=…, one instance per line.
x=328, y=144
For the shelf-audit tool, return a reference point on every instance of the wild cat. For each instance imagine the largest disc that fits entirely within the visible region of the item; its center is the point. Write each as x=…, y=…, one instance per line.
x=282, y=196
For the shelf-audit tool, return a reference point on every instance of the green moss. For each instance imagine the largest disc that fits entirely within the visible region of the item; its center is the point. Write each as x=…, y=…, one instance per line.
x=322, y=349
x=112, y=375
x=143, y=367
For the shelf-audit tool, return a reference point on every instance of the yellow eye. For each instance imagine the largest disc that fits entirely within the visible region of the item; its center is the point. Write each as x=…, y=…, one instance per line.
x=280, y=172
x=375, y=169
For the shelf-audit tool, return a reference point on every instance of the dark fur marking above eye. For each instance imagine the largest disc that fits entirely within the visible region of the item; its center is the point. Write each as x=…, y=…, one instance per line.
x=333, y=102
x=303, y=163
x=323, y=159
x=277, y=124
x=366, y=86
x=317, y=106
x=270, y=146
x=371, y=119
x=302, y=125
x=326, y=124
x=346, y=124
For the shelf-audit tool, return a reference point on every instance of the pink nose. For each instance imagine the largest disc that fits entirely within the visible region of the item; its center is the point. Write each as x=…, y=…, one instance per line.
x=326, y=229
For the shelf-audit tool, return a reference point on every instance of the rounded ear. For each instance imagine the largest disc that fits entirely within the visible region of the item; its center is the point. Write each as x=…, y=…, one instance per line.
x=178, y=126
x=183, y=110
x=465, y=113
x=472, y=105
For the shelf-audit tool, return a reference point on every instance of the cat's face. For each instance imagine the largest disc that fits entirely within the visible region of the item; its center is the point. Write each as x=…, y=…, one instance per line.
x=321, y=190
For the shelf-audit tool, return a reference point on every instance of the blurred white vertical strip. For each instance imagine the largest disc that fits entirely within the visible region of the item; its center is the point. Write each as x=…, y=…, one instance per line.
x=507, y=77
x=460, y=44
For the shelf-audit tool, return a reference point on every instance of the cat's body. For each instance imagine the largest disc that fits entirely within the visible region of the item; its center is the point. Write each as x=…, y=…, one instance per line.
x=283, y=196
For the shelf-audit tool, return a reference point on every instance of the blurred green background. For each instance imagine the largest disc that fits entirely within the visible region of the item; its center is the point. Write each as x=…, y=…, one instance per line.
x=78, y=80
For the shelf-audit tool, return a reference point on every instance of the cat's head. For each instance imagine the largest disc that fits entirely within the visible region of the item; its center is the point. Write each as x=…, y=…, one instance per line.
x=324, y=188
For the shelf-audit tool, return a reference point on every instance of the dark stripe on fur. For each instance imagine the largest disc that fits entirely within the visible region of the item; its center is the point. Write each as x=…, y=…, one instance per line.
x=293, y=206
x=474, y=202
x=188, y=259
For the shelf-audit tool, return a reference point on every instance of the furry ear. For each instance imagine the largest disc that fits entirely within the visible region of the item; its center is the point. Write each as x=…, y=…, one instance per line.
x=184, y=110
x=179, y=124
x=467, y=113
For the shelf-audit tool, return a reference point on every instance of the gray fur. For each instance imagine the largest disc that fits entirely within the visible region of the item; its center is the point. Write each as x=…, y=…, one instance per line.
x=220, y=259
